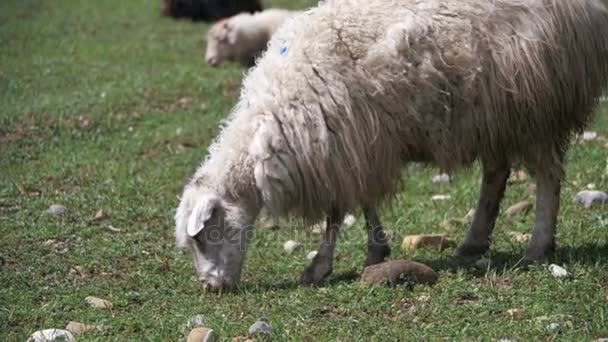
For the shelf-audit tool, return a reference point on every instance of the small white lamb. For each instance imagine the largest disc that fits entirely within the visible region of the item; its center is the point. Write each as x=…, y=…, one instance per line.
x=243, y=37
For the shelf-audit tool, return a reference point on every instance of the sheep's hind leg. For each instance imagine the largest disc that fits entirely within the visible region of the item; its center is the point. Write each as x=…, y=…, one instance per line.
x=321, y=265
x=547, y=206
x=493, y=185
x=377, y=243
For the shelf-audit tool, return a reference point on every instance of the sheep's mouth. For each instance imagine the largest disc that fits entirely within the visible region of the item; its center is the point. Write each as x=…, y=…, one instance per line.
x=215, y=285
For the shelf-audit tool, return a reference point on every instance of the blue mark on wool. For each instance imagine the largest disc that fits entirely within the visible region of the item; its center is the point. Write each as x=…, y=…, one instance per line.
x=284, y=50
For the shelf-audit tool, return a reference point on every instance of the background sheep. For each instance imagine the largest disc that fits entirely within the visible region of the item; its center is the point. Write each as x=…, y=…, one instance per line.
x=208, y=10
x=353, y=90
x=243, y=37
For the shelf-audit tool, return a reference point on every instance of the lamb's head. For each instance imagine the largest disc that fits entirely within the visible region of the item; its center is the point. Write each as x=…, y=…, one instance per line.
x=216, y=230
x=221, y=41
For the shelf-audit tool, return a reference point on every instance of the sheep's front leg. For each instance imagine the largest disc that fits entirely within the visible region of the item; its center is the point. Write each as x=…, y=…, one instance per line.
x=547, y=207
x=321, y=265
x=377, y=243
x=493, y=185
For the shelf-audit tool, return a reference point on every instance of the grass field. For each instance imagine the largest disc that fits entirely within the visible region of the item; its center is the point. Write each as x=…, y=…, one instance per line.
x=106, y=105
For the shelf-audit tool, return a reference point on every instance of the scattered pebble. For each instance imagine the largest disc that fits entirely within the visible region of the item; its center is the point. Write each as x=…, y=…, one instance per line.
x=589, y=136
x=311, y=255
x=98, y=302
x=483, y=264
x=51, y=335
x=413, y=242
x=57, y=209
x=349, y=220
x=78, y=328
x=520, y=237
x=260, y=327
x=515, y=313
x=517, y=176
x=558, y=271
x=441, y=178
x=441, y=197
x=518, y=208
x=395, y=272
x=202, y=335
x=588, y=197
x=553, y=327
x=100, y=215
x=290, y=246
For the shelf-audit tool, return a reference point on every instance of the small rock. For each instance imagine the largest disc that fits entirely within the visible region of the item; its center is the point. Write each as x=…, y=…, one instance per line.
x=588, y=197
x=98, y=302
x=589, y=136
x=441, y=178
x=518, y=208
x=78, y=328
x=553, y=327
x=440, y=197
x=439, y=241
x=51, y=335
x=517, y=176
x=311, y=255
x=260, y=327
x=395, y=272
x=100, y=215
x=290, y=246
x=515, y=313
x=202, y=335
x=483, y=264
x=558, y=271
x=57, y=209
x=349, y=220
x=520, y=237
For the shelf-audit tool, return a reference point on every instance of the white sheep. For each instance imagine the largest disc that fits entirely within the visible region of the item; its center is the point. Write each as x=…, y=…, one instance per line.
x=244, y=36
x=353, y=90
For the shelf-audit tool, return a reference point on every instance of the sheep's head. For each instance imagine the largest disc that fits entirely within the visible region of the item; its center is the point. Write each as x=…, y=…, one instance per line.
x=216, y=232
x=221, y=41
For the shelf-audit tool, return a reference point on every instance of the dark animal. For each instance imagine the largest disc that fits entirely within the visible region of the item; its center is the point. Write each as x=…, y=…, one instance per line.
x=208, y=10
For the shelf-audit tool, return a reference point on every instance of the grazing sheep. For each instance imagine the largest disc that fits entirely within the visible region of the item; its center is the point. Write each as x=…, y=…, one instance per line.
x=208, y=10
x=243, y=37
x=353, y=90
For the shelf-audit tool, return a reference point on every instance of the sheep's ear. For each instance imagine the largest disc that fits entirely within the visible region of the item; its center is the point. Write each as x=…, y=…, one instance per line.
x=231, y=34
x=201, y=213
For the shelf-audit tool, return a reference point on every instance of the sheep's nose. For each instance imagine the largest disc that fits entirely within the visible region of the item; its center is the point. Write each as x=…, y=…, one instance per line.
x=215, y=285
x=212, y=61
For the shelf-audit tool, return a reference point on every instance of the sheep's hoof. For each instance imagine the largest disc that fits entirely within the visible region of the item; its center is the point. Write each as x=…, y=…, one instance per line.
x=471, y=250
x=538, y=254
x=314, y=276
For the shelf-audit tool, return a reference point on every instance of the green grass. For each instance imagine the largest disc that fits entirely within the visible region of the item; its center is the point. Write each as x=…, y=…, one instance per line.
x=105, y=105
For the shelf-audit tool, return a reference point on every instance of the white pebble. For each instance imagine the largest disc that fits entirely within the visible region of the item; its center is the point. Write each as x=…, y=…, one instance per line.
x=290, y=246
x=588, y=197
x=260, y=327
x=57, y=209
x=311, y=255
x=51, y=335
x=349, y=220
x=558, y=271
x=98, y=302
x=589, y=135
x=441, y=197
x=441, y=178
x=553, y=327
